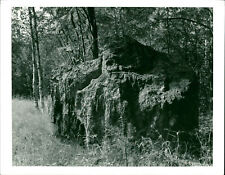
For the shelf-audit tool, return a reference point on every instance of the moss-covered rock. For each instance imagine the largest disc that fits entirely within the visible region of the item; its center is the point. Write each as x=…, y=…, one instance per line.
x=137, y=87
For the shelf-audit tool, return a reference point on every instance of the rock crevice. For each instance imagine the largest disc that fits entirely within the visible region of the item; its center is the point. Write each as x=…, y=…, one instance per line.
x=138, y=90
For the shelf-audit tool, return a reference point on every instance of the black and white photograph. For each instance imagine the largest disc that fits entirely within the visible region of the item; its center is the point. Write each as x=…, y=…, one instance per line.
x=112, y=86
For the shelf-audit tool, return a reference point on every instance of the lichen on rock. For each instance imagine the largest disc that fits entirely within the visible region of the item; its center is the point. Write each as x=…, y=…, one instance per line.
x=136, y=87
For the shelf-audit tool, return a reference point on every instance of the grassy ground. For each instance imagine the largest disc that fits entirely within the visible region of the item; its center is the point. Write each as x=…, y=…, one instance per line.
x=33, y=140
x=34, y=144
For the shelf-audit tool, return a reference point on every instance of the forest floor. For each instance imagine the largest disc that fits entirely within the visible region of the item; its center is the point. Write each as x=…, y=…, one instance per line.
x=35, y=144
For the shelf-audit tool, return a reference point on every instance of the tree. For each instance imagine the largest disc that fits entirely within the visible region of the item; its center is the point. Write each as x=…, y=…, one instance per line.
x=36, y=58
x=70, y=35
x=94, y=30
x=39, y=67
x=34, y=82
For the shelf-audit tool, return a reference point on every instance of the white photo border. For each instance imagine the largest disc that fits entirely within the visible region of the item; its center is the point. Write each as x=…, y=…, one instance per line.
x=218, y=89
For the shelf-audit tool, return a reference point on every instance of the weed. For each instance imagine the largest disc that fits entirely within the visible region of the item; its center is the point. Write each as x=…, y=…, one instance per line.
x=34, y=144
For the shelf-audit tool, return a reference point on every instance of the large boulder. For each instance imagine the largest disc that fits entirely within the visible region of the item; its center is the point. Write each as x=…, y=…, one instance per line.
x=139, y=91
x=65, y=84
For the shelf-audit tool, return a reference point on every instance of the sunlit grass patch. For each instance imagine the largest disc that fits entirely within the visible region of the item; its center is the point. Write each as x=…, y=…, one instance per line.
x=33, y=139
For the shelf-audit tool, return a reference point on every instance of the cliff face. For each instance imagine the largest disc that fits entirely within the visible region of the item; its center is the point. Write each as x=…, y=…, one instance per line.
x=137, y=92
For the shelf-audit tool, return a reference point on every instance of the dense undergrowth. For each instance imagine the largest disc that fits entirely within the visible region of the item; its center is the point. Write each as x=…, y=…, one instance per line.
x=35, y=144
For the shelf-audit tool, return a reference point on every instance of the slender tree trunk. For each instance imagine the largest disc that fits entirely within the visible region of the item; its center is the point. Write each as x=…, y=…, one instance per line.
x=82, y=36
x=34, y=66
x=65, y=54
x=185, y=42
x=115, y=22
x=70, y=41
x=94, y=31
x=39, y=68
x=67, y=38
x=77, y=35
x=168, y=33
x=121, y=22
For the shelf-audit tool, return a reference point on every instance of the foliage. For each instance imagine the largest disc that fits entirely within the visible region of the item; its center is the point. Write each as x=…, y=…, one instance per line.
x=34, y=144
x=66, y=39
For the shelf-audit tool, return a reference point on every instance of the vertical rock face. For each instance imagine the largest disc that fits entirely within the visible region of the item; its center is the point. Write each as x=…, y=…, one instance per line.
x=138, y=92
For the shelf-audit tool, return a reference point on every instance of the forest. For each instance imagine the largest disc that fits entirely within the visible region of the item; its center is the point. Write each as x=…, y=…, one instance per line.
x=115, y=86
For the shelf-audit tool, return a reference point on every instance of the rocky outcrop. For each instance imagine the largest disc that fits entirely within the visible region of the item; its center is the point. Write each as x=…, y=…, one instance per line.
x=137, y=92
x=65, y=84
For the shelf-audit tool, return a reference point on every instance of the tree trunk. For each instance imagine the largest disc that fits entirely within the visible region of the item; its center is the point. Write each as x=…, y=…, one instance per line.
x=77, y=35
x=39, y=68
x=168, y=29
x=82, y=36
x=94, y=31
x=115, y=22
x=34, y=81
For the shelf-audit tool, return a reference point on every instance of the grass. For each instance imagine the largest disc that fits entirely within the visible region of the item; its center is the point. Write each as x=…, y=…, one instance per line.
x=35, y=144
